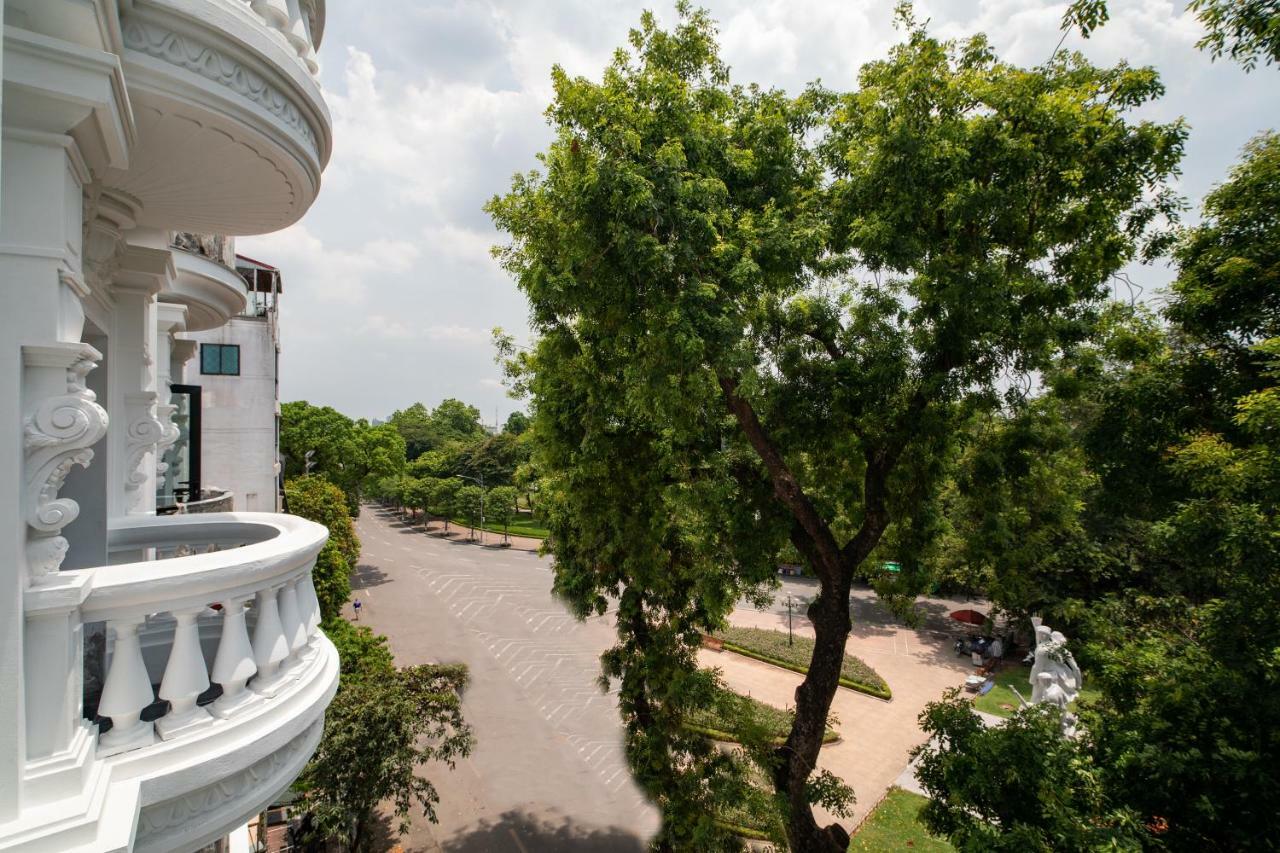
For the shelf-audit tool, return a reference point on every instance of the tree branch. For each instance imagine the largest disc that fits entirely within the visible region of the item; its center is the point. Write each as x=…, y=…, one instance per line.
x=785, y=485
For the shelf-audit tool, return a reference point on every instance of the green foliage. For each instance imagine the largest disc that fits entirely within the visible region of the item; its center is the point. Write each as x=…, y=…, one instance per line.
x=774, y=647
x=377, y=732
x=517, y=423
x=500, y=506
x=444, y=499
x=362, y=653
x=471, y=505
x=320, y=501
x=763, y=318
x=350, y=454
x=1017, y=787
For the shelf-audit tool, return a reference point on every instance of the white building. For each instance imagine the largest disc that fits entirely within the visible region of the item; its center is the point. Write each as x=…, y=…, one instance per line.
x=148, y=701
x=235, y=374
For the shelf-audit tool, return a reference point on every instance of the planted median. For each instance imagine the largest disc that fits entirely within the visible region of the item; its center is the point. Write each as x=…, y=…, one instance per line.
x=772, y=647
x=732, y=717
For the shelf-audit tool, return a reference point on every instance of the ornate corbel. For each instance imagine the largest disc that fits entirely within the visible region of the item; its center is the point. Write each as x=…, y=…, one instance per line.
x=169, y=434
x=57, y=435
x=142, y=435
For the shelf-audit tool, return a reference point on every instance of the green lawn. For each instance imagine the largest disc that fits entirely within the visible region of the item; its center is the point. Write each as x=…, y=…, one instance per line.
x=522, y=526
x=730, y=712
x=1002, y=702
x=892, y=825
x=772, y=647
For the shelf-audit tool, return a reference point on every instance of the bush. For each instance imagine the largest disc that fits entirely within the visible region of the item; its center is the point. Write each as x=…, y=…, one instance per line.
x=729, y=715
x=772, y=647
x=318, y=500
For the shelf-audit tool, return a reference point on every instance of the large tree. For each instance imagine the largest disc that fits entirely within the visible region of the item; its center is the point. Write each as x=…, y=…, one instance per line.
x=761, y=318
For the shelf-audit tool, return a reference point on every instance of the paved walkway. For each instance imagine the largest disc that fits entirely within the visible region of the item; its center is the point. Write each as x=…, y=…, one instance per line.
x=876, y=736
x=548, y=772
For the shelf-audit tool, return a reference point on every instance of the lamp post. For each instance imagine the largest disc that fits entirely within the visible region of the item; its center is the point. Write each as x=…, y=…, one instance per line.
x=790, y=640
x=481, y=482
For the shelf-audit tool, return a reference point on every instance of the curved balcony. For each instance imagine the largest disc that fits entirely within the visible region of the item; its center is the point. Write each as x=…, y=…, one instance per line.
x=205, y=680
x=232, y=129
x=211, y=292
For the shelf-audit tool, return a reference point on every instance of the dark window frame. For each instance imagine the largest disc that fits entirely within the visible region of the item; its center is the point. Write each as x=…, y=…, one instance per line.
x=221, y=360
x=195, y=408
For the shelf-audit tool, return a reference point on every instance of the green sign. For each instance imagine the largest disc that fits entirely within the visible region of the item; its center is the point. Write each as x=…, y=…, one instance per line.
x=891, y=567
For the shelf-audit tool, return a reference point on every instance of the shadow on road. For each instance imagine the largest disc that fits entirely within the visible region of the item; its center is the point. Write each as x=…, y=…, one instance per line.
x=520, y=832
x=367, y=576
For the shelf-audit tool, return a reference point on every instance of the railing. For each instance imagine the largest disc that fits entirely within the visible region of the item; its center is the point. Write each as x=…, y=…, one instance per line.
x=218, y=633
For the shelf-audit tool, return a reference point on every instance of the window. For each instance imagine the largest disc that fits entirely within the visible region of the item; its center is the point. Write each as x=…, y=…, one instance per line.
x=220, y=359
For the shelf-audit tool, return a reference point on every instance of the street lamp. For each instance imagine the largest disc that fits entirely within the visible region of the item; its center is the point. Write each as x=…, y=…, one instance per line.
x=481, y=482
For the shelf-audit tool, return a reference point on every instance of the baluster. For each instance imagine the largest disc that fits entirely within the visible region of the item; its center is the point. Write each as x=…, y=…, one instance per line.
x=270, y=647
x=126, y=693
x=185, y=678
x=233, y=665
x=307, y=591
x=294, y=630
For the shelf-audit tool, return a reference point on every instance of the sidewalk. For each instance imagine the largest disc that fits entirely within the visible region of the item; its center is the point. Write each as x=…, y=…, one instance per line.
x=876, y=736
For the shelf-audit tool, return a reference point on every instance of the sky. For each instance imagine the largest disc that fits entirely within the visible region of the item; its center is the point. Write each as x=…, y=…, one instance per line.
x=390, y=293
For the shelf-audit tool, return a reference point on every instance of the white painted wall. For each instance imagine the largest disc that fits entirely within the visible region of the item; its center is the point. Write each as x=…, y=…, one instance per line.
x=238, y=432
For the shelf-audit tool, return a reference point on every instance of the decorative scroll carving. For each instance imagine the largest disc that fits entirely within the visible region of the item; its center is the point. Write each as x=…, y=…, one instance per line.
x=169, y=434
x=56, y=437
x=142, y=435
x=184, y=52
x=267, y=774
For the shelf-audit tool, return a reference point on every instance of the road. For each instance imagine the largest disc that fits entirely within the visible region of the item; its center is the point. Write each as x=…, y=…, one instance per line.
x=548, y=771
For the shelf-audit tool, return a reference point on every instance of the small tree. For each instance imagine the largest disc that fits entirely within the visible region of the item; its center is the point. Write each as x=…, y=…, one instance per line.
x=502, y=507
x=471, y=504
x=444, y=499
x=382, y=725
x=318, y=500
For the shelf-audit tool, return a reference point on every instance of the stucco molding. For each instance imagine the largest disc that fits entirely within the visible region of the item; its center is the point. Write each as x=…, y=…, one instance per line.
x=143, y=434
x=57, y=436
x=185, y=52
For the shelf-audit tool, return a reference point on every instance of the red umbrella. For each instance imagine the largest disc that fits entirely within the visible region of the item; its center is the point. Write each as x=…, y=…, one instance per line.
x=970, y=617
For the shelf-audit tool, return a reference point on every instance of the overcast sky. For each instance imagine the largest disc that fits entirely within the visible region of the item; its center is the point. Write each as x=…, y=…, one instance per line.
x=390, y=291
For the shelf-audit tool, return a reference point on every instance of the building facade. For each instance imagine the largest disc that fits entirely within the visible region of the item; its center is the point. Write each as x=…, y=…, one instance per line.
x=236, y=374
x=162, y=677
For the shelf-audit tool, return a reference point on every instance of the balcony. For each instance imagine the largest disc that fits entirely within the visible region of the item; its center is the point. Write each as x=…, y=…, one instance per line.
x=211, y=292
x=232, y=129
x=196, y=687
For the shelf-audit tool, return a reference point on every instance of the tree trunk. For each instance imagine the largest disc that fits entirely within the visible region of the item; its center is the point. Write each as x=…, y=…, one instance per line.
x=799, y=755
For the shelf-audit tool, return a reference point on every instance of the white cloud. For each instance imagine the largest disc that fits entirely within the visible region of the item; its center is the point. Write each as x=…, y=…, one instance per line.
x=436, y=103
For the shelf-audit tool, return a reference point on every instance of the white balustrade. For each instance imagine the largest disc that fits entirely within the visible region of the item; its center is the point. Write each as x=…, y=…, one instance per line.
x=261, y=653
x=126, y=693
x=185, y=678
x=295, y=630
x=270, y=645
x=233, y=664
x=274, y=12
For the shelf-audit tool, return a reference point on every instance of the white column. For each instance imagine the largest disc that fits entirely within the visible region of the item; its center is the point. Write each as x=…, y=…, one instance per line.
x=270, y=646
x=233, y=665
x=185, y=678
x=126, y=693
x=143, y=271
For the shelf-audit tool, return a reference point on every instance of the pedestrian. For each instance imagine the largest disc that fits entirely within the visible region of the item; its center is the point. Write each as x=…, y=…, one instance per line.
x=356, y=605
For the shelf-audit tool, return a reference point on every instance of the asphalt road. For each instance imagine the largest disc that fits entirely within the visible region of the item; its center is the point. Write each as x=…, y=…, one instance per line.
x=547, y=772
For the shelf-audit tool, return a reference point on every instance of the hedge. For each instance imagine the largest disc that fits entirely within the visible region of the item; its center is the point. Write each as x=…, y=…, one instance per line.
x=772, y=647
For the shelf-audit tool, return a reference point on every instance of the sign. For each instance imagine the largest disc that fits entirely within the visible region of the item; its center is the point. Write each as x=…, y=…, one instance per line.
x=891, y=567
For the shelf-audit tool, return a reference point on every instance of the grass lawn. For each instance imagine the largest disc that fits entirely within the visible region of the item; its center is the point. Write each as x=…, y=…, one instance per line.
x=1002, y=702
x=893, y=826
x=521, y=526
x=730, y=712
x=772, y=647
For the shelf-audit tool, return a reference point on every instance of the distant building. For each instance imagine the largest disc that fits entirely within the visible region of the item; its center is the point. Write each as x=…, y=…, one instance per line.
x=236, y=368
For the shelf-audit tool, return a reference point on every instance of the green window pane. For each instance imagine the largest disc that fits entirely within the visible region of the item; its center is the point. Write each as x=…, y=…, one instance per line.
x=210, y=358
x=231, y=361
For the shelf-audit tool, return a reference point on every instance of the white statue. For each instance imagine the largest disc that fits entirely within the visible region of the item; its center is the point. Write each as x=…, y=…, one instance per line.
x=1052, y=658
x=1052, y=693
